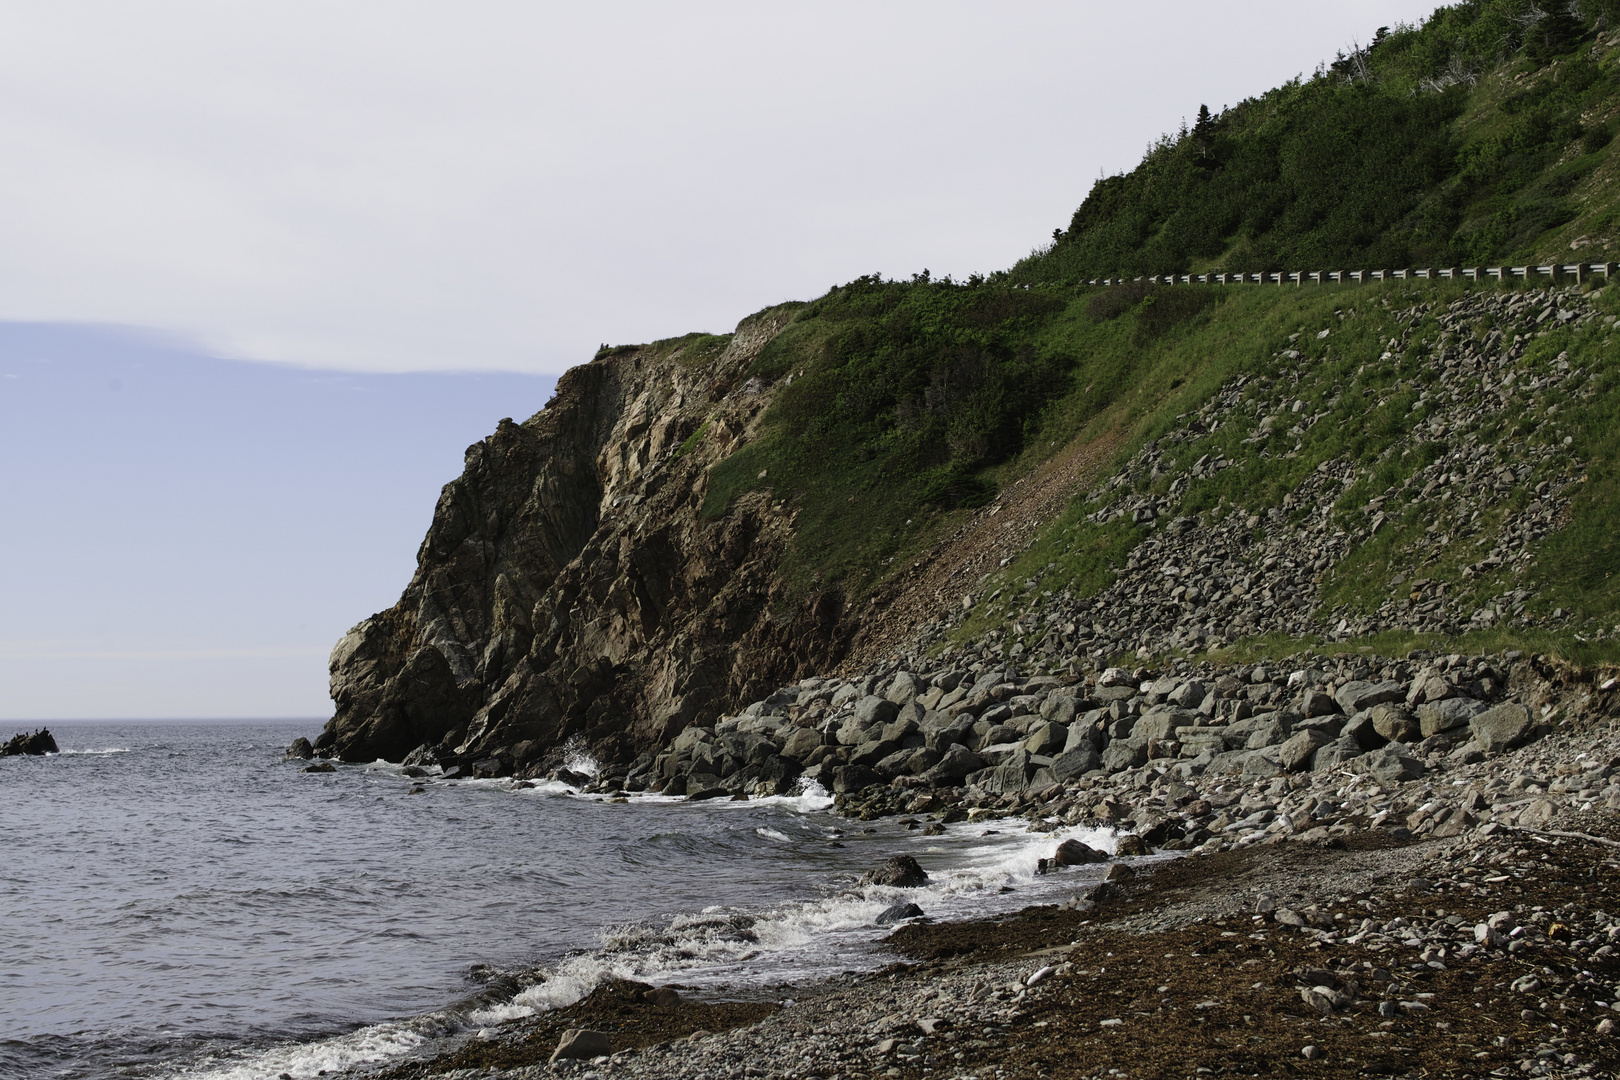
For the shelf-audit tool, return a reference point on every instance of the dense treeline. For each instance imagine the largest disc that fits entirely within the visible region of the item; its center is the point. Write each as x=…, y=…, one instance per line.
x=1453, y=143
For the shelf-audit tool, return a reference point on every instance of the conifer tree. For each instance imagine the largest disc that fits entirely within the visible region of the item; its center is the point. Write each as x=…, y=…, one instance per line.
x=1203, y=135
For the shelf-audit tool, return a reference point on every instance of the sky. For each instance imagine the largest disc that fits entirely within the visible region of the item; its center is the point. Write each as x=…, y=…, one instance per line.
x=267, y=269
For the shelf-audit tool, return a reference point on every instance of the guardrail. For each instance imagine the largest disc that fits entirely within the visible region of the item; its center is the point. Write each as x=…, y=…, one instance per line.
x=1576, y=272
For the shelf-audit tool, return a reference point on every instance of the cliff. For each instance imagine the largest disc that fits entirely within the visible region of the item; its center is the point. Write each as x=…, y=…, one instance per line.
x=569, y=584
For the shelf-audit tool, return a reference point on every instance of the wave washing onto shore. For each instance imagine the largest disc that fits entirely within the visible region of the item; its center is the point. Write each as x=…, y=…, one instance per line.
x=723, y=949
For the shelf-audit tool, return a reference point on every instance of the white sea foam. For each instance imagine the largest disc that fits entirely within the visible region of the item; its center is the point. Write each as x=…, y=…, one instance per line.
x=578, y=759
x=367, y=1046
x=90, y=753
x=814, y=938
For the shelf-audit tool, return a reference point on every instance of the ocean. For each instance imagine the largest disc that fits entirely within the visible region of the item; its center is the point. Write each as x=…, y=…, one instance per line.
x=179, y=901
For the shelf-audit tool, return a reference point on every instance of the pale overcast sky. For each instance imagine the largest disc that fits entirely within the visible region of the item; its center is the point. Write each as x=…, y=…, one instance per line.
x=374, y=188
x=404, y=186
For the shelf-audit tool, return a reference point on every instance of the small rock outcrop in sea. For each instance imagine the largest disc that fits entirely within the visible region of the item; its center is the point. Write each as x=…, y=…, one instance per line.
x=300, y=750
x=40, y=742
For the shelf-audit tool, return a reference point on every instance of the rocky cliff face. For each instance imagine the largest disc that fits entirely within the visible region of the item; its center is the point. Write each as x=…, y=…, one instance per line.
x=568, y=586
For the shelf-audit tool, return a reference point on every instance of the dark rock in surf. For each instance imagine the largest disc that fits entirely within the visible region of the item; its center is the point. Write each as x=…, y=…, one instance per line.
x=1074, y=853
x=901, y=872
x=320, y=766
x=300, y=750
x=40, y=742
x=898, y=913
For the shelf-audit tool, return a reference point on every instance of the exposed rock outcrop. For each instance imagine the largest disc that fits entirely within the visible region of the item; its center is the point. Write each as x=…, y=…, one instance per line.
x=569, y=586
x=40, y=742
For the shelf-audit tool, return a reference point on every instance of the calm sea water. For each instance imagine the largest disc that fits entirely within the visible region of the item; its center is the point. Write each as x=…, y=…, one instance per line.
x=177, y=901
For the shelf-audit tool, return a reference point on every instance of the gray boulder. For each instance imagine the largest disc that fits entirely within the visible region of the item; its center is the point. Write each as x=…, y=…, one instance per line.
x=1297, y=752
x=1360, y=729
x=1337, y=753
x=903, y=688
x=1498, y=728
x=1124, y=754
x=1395, y=724
x=800, y=743
x=850, y=778
x=1073, y=763
x=1446, y=714
x=875, y=710
x=872, y=751
x=957, y=762
x=1360, y=695
x=581, y=1043
x=1390, y=765
x=1048, y=739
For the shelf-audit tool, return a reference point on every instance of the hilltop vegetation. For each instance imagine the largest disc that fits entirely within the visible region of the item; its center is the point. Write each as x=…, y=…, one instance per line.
x=1478, y=137
x=1482, y=136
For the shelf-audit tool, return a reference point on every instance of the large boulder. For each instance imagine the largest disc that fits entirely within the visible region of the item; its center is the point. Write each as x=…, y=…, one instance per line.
x=1047, y=739
x=851, y=778
x=875, y=710
x=958, y=761
x=1389, y=764
x=582, y=1043
x=1395, y=724
x=1073, y=763
x=898, y=913
x=1075, y=853
x=799, y=744
x=1358, y=695
x=1446, y=714
x=1337, y=753
x=900, y=872
x=1360, y=729
x=1498, y=728
x=1124, y=754
x=1297, y=752
x=904, y=688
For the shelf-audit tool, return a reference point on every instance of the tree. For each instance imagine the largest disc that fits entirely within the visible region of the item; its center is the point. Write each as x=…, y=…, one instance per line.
x=1552, y=30
x=1203, y=137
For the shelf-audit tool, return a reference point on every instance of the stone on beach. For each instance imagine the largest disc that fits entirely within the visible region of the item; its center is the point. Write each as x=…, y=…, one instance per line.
x=581, y=1043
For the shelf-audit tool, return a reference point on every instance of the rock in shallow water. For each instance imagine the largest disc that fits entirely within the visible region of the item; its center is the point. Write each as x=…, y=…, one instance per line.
x=901, y=872
x=898, y=913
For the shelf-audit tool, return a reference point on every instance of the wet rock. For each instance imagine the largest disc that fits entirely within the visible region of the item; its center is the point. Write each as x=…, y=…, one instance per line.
x=898, y=913
x=1075, y=853
x=900, y=871
x=300, y=750
x=320, y=767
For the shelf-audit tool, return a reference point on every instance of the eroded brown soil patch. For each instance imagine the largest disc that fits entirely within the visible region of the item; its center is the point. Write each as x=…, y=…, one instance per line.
x=940, y=578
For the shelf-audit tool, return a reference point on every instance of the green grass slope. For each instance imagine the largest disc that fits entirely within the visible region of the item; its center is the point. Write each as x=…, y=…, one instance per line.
x=1481, y=136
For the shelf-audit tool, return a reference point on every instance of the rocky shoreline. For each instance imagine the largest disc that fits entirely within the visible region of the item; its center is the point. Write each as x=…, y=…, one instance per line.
x=1436, y=907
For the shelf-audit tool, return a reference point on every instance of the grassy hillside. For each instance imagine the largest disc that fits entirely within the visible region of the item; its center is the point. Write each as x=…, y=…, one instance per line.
x=1478, y=137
